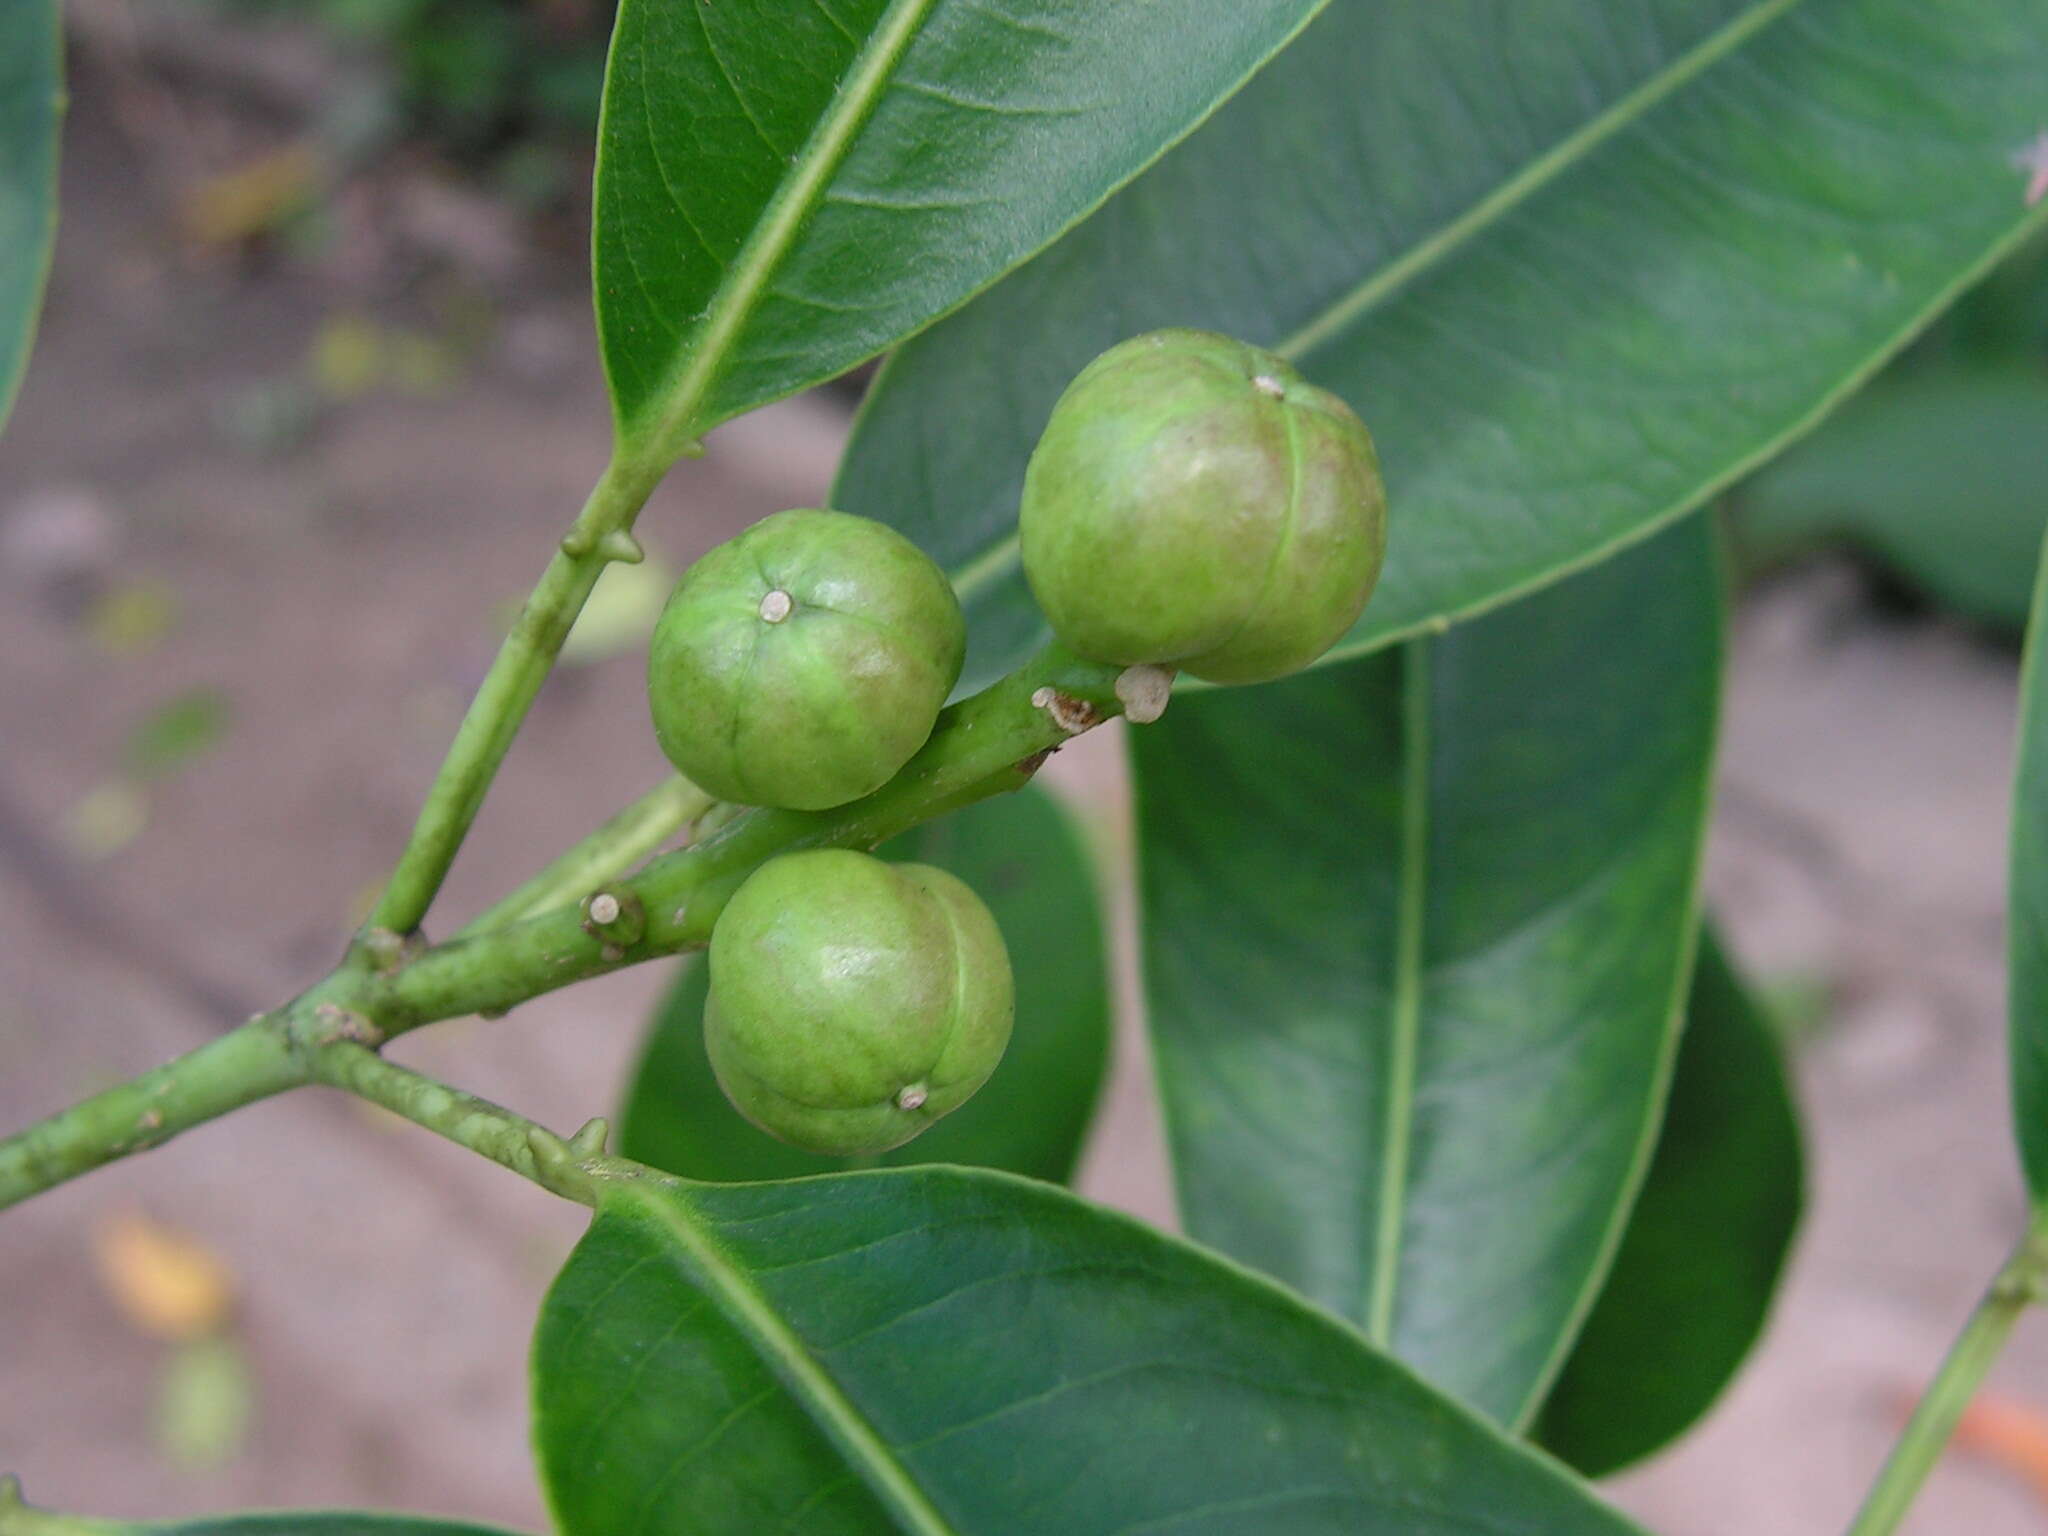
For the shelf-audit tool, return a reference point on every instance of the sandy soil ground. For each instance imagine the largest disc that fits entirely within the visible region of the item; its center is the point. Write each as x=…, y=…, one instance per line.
x=341, y=593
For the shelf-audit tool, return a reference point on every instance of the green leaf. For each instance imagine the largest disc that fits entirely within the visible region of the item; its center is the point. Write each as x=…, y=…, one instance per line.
x=934, y=1350
x=786, y=187
x=328, y=1522
x=31, y=105
x=18, y=1519
x=1699, y=1265
x=1416, y=939
x=2027, y=908
x=1939, y=473
x=1022, y=856
x=1577, y=265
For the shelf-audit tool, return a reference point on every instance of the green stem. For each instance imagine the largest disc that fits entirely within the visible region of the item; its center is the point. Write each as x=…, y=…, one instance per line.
x=613, y=848
x=248, y=1063
x=17, y=1518
x=507, y=1139
x=2016, y=1287
x=982, y=746
x=22, y=1520
x=598, y=537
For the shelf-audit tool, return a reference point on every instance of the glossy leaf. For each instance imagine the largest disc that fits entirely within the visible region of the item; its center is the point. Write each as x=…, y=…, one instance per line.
x=318, y=1522
x=2027, y=907
x=1023, y=857
x=1577, y=264
x=786, y=187
x=936, y=1350
x=322, y=1523
x=31, y=105
x=1940, y=474
x=1416, y=937
x=1693, y=1282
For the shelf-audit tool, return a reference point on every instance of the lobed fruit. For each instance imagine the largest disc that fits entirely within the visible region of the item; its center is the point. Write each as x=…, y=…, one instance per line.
x=1194, y=502
x=853, y=1002
x=803, y=662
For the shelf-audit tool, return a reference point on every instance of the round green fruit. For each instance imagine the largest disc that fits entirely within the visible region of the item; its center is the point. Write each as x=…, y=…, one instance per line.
x=854, y=1002
x=1196, y=503
x=802, y=663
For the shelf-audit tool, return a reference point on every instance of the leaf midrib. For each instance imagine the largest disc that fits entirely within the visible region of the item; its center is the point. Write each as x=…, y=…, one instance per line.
x=1398, y=1104
x=997, y=561
x=1533, y=177
x=732, y=303
x=787, y=1356
x=2022, y=992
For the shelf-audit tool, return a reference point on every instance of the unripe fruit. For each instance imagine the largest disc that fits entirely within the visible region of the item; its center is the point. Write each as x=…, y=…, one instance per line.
x=802, y=663
x=1196, y=503
x=854, y=1002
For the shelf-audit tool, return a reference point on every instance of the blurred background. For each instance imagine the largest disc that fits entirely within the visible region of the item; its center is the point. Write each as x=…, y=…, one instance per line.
x=315, y=392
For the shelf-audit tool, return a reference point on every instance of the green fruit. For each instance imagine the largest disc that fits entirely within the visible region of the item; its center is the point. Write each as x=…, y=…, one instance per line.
x=802, y=663
x=854, y=1002
x=1196, y=503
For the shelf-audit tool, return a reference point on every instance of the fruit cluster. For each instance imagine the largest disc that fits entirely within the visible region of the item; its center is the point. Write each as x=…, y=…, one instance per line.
x=1194, y=505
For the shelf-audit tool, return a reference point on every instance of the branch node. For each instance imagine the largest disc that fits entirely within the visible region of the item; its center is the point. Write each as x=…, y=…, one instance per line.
x=576, y=543
x=337, y=1023
x=387, y=950
x=590, y=1137
x=558, y=1164
x=617, y=544
x=547, y=1146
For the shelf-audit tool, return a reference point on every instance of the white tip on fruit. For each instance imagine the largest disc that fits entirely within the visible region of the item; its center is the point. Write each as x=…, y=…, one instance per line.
x=912, y=1097
x=776, y=605
x=1266, y=384
x=1144, y=691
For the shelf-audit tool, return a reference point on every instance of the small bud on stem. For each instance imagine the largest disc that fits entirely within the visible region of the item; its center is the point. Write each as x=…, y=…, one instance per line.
x=615, y=916
x=1145, y=690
